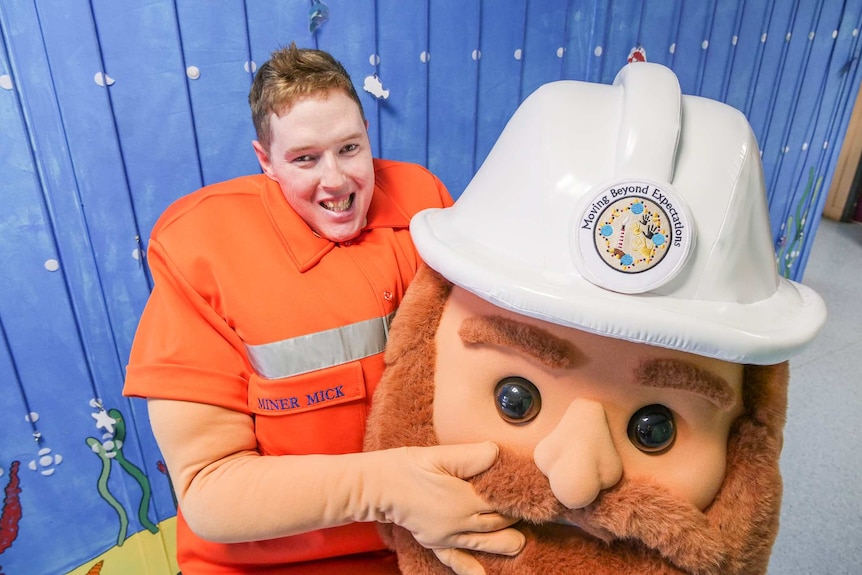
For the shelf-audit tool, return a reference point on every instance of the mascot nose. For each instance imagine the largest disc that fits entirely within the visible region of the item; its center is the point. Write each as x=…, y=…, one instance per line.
x=579, y=457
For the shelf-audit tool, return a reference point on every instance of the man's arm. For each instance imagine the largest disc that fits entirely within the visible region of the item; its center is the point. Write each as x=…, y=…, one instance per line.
x=211, y=453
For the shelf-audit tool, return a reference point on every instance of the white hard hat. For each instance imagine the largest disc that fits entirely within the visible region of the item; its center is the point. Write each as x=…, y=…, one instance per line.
x=629, y=211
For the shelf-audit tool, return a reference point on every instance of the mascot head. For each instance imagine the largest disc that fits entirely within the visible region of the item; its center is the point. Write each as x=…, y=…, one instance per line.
x=602, y=302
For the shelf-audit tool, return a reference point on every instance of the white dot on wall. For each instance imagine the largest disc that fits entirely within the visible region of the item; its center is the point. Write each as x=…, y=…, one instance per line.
x=193, y=72
x=763, y=38
x=52, y=265
x=834, y=34
x=704, y=44
x=787, y=37
x=32, y=417
x=136, y=254
x=804, y=146
x=518, y=54
x=825, y=144
x=786, y=149
x=734, y=40
x=811, y=35
x=672, y=48
x=855, y=32
x=102, y=79
x=561, y=51
x=476, y=55
x=250, y=66
x=598, y=51
x=6, y=82
x=424, y=57
x=374, y=59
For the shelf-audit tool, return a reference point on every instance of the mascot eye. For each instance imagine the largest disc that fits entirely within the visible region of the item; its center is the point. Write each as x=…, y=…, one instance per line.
x=517, y=400
x=651, y=429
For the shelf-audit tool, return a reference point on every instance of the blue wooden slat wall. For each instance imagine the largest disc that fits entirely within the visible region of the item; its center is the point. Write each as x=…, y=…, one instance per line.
x=502, y=48
x=403, y=71
x=111, y=110
x=215, y=52
x=453, y=91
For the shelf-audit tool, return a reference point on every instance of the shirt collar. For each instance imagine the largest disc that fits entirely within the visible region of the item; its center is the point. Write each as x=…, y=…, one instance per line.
x=303, y=245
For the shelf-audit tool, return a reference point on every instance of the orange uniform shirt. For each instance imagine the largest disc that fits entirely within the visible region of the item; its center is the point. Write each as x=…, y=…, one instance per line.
x=253, y=312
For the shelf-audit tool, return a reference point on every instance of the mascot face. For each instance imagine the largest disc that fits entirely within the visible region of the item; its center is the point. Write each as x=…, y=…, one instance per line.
x=619, y=458
x=589, y=410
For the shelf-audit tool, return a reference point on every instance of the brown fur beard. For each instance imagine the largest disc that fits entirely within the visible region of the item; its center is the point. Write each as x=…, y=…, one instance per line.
x=632, y=528
x=602, y=543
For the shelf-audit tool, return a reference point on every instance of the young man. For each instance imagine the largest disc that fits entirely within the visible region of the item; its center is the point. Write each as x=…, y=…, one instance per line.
x=261, y=346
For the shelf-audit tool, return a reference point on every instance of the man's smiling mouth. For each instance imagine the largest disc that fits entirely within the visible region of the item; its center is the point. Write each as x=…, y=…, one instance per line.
x=340, y=205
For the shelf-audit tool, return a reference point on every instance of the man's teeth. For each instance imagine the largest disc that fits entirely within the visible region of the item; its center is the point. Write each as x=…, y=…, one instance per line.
x=338, y=205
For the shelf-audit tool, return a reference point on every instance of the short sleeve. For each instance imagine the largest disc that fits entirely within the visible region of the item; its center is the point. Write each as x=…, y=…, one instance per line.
x=183, y=349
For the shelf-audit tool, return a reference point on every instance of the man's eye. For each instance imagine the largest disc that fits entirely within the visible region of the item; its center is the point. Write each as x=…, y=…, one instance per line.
x=350, y=148
x=652, y=429
x=517, y=400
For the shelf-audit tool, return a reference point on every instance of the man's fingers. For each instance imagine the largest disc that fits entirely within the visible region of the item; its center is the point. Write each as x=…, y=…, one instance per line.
x=461, y=562
x=490, y=521
x=503, y=542
x=463, y=460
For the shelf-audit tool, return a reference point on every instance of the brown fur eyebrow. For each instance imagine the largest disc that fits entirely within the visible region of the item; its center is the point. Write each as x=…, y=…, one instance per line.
x=545, y=347
x=675, y=374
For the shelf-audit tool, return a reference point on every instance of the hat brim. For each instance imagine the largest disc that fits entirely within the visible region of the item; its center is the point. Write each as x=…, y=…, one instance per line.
x=765, y=332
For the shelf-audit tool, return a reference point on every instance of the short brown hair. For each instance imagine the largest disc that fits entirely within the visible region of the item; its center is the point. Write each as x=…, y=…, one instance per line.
x=289, y=75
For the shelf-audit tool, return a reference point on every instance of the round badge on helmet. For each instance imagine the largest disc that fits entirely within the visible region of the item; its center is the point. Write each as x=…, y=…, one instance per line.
x=631, y=235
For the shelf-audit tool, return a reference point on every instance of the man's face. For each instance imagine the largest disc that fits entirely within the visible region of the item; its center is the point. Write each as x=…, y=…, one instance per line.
x=589, y=410
x=320, y=156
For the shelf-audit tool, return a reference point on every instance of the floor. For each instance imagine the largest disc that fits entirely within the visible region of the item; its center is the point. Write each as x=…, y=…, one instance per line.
x=821, y=519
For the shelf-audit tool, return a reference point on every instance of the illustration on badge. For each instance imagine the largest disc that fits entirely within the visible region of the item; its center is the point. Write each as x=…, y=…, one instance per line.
x=632, y=238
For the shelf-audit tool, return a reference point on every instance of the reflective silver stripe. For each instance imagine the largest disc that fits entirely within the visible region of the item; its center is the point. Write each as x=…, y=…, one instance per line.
x=320, y=350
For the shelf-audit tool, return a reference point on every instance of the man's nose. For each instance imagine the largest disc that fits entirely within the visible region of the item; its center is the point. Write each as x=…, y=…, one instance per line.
x=332, y=175
x=579, y=457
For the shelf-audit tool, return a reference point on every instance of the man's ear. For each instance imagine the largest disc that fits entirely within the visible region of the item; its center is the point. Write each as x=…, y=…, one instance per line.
x=263, y=159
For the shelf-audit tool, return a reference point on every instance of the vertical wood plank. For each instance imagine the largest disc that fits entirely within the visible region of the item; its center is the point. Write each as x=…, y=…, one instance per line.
x=453, y=73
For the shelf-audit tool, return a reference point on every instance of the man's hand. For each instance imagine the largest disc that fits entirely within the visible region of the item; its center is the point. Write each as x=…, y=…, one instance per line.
x=423, y=490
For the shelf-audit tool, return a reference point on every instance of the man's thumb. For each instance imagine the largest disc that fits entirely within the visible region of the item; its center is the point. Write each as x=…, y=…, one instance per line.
x=468, y=459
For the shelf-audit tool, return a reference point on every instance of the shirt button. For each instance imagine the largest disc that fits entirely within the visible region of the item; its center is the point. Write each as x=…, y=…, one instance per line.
x=387, y=295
